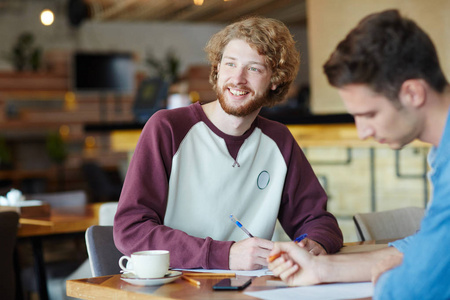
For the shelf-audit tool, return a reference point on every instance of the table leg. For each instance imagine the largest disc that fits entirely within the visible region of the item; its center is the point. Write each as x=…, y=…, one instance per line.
x=17, y=270
x=39, y=268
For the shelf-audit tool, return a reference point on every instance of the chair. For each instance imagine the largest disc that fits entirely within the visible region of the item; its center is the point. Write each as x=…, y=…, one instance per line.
x=102, y=252
x=106, y=213
x=105, y=218
x=9, y=221
x=390, y=224
x=101, y=185
x=150, y=98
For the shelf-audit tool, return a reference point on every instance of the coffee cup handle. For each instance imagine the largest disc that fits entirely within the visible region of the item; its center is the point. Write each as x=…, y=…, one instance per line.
x=122, y=266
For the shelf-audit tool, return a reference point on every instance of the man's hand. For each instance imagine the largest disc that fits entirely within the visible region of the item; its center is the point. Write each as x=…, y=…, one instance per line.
x=386, y=264
x=312, y=247
x=249, y=254
x=295, y=265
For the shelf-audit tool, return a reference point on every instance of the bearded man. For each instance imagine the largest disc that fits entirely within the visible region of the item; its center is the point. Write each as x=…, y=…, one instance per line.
x=194, y=166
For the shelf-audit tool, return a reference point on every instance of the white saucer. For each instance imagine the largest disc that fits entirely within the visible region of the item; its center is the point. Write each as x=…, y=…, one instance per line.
x=131, y=278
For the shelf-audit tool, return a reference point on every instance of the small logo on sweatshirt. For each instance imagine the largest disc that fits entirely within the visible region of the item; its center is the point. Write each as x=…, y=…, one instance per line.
x=263, y=180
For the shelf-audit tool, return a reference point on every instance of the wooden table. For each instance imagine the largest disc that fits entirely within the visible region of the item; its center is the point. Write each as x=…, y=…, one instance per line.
x=112, y=287
x=62, y=220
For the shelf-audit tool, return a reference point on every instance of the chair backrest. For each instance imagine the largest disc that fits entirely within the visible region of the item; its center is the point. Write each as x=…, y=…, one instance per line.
x=150, y=98
x=390, y=224
x=103, y=254
x=61, y=199
x=101, y=185
x=106, y=213
x=9, y=221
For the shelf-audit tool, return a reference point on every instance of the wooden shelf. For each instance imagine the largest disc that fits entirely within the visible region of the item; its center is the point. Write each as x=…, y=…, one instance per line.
x=42, y=82
x=25, y=174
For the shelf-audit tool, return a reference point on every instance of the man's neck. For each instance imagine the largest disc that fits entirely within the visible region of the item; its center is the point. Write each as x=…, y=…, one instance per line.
x=436, y=117
x=227, y=123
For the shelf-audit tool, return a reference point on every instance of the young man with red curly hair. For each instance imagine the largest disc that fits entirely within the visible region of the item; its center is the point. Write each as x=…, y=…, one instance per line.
x=196, y=165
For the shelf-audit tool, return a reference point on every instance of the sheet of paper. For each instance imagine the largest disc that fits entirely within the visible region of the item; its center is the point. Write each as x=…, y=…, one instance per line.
x=256, y=273
x=332, y=291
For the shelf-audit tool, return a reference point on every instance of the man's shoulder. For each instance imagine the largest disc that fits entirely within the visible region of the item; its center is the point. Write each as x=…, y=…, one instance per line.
x=273, y=128
x=170, y=126
x=174, y=117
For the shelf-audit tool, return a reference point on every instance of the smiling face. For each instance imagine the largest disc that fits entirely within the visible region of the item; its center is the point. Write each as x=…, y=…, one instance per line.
x=243, y=79
x=377, y=117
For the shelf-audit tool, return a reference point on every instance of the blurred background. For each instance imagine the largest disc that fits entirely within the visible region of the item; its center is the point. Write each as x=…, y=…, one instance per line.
x=79, y=78
x=75, y=93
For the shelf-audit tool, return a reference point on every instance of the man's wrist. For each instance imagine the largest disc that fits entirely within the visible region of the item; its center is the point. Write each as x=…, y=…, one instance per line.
x=322, y=267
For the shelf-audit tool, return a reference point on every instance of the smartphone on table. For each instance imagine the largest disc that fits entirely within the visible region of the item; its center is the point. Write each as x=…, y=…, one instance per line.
x=227, y=284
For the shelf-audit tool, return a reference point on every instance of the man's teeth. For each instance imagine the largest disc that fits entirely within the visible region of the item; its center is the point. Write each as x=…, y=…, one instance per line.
x=237, y=93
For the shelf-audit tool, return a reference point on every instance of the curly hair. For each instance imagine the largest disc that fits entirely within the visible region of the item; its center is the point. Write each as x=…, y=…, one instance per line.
x=270, y=38
x=383, y=51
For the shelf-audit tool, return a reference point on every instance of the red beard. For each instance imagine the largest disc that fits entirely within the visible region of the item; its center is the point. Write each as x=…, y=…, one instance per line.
x=248, y=106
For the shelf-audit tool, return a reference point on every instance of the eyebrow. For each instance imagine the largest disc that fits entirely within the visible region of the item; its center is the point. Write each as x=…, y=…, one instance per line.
x=252, y=62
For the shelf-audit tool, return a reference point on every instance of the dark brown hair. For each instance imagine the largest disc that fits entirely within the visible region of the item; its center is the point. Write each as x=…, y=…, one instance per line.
x=383, y=51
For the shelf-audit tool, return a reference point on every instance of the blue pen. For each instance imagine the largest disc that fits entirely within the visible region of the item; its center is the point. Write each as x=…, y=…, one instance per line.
x=297, y=240
x=300, y=238
x=239, y=224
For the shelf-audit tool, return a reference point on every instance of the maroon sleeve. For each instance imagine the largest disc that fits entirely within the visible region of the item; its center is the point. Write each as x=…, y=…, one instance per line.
x=138, y=224
x=304, y=202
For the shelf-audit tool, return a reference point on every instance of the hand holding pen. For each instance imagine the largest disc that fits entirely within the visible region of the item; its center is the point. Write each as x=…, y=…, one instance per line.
x=297, y=240
x=250, y=253
x=296, y=266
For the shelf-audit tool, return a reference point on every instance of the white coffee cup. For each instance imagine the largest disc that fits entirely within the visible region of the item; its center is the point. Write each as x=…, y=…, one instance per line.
x=147, y=264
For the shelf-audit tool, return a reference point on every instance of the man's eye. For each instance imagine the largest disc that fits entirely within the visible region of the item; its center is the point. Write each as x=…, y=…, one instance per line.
x=253, y=69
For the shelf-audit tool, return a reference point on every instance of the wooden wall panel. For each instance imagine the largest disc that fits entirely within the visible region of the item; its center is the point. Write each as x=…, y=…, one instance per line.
x=330, y=20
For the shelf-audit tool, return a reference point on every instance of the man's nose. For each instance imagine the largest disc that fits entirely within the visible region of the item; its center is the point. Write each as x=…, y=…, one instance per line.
x=364, y=129
x=239, y=76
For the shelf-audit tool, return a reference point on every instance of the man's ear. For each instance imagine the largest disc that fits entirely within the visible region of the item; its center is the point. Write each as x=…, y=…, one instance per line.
x=413, y=92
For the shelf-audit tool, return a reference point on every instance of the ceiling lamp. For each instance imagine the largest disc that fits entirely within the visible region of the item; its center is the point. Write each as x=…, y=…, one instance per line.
x=198, y=2
x=47, y=17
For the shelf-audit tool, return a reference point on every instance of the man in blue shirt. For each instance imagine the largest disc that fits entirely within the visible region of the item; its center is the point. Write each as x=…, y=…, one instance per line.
x=387, y=72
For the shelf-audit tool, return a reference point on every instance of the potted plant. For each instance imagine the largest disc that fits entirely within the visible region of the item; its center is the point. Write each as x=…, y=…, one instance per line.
x=24, y=54
x=56, y=149
x=166, y=69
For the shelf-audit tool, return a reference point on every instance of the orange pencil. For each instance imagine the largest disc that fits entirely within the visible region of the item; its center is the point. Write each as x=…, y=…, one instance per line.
x=297, y=240
x=273, y=257
x=192, y=281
